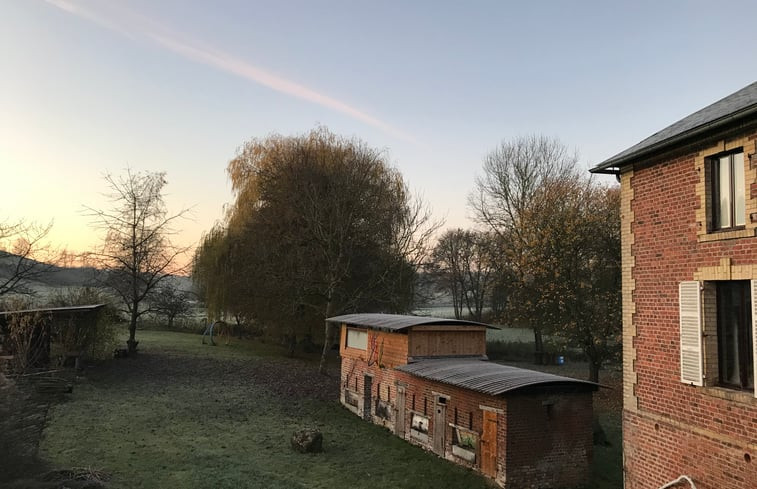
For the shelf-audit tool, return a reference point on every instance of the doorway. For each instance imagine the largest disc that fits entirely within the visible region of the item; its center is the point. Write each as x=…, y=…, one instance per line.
x=367, y=387
x=489, y=444
x=399, y=418
x=440, y=425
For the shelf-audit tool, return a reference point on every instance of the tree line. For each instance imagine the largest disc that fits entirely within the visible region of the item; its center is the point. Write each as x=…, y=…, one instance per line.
x=322, y=225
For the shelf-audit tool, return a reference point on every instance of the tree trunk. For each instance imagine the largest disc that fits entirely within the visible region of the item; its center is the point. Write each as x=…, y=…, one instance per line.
x=327, y=340
x=292, y=344
x=327, y=335
x=538, y=347
x=131, y=343
x=594, y=368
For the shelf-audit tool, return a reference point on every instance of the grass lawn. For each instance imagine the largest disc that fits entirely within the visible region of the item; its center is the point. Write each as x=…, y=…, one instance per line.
x=187, y=415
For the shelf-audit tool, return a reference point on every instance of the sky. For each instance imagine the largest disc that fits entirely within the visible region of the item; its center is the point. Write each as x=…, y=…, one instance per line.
x=89, y=88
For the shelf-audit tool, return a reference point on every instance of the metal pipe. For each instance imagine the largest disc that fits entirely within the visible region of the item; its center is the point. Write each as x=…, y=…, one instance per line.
x=678, y=481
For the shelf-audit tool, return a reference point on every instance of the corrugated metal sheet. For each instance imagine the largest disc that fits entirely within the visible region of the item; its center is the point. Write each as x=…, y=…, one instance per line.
x=55, y=310
x=398, y=322
x=487, y=377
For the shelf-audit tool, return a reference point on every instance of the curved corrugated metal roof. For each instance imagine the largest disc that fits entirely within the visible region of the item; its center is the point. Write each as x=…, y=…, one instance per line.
x=398, y=322
x=487, y=377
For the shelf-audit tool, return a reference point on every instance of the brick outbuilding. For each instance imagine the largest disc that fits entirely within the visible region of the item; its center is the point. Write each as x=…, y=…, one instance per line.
x=689, y=258
x=428, y=380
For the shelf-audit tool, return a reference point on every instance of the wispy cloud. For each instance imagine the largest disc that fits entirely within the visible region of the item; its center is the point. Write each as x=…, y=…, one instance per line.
x=134, y=26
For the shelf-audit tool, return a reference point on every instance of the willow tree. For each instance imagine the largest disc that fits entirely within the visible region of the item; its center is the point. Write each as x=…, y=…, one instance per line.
x=321, y=225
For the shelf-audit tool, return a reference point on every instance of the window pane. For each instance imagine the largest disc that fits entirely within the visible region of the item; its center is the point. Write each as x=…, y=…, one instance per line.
x=739, y=193
x=749, y=357
x=357, y=339
x=734, y=334
x=728, y=333
x=724, y=192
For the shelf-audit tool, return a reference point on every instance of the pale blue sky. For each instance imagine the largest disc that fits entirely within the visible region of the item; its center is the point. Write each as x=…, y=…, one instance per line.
x=89, y=87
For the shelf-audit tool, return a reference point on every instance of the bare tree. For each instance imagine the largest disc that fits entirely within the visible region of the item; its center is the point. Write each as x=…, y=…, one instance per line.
x=517, y=183
x=137, y=251
x=24, y=256
x=171, y=303
x=560, y=236
x=447, y=268
x=463, y=262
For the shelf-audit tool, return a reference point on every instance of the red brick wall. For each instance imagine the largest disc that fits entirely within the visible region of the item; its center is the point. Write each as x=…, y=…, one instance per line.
x=549, y=439
x=559, y=458
x=656, y=452
x=386, y=349
x=679, y=429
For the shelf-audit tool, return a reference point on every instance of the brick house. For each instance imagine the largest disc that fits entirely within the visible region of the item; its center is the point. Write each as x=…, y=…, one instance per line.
x=429, y=382
x=689, y=250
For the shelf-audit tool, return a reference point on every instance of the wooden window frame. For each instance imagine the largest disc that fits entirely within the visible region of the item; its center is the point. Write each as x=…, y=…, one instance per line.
x=714, y=189
x=744, y=334
x=700, y=337
x=347, y=339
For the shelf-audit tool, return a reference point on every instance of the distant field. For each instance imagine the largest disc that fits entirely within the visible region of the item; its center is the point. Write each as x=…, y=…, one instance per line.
x=506, y=334
x=511, y=335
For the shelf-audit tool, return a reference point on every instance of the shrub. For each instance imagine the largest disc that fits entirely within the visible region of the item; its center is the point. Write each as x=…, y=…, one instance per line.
x=26, y=337
x=21, y=420
x=97, y=333
x=510, y=350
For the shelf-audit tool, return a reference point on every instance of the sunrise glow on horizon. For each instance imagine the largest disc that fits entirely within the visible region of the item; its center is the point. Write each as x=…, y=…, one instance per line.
x=93, y=87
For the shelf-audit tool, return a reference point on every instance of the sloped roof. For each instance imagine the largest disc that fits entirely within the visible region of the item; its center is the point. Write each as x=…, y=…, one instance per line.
x=398, y=322
x=55, y=310
x=488, y=377
x=731, y=110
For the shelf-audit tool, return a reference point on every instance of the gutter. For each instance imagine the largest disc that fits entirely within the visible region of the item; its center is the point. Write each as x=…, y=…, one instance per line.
x=612, y=166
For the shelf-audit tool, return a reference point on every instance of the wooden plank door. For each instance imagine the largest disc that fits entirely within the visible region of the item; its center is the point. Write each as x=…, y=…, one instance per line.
x=399, y=418
x=367, y=398
x=440, y=425
x=489, y=444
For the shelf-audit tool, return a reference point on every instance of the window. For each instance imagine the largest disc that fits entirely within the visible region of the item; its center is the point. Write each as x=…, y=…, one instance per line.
x=735, y=356
x=716, y=322
x=728, y=193
x=357, y=339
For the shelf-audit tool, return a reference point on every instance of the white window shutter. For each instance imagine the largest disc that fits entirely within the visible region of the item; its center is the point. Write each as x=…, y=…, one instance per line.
x=754, y=332
x=690, y=307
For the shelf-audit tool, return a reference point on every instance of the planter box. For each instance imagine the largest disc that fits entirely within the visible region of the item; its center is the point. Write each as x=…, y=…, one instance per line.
x=464, y=453
x=350, y=398
x=422, y=437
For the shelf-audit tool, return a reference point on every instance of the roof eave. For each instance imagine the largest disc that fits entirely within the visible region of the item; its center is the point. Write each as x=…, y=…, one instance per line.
x=613, y=165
